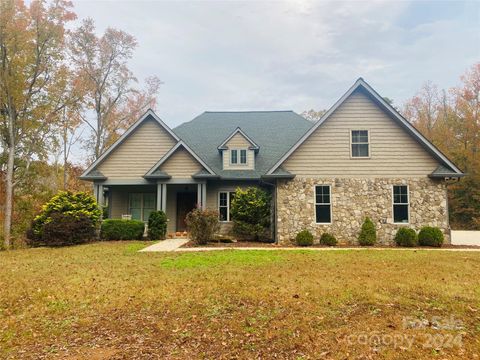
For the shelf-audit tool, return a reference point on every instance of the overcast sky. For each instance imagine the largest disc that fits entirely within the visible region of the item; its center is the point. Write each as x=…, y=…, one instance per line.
x=298, y=55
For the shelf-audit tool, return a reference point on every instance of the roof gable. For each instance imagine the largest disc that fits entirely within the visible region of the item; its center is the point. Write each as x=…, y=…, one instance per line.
x=89, y=173
x=152, y=173
x=379, y=101
x=238, y=130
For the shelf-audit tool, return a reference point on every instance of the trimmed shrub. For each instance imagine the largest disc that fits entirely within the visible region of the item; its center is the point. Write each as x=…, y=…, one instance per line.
x=250, y=210
x=67, y=229
x=157, y=225
x=368, y=233
x=202, y=225
x=304, y=238
x=430, y=236
x=328, y=239
x=64, y=229
x=406, y=237
x=78, y=205
x=118, y=229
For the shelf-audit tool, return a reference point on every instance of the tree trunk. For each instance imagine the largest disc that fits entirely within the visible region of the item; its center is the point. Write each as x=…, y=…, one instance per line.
x=9, y=185
x=65, y=155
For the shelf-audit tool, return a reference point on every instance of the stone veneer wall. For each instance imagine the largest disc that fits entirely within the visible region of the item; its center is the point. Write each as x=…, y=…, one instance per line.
x=355, y=198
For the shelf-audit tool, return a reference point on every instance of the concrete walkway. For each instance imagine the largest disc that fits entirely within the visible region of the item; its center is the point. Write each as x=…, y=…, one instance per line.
x=166, y=245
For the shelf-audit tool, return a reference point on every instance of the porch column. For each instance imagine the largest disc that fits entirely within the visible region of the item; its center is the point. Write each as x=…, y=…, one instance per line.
x=159, y=196
x=201, y=195
x=164, y=198
x=98, y=194
x=204, y=196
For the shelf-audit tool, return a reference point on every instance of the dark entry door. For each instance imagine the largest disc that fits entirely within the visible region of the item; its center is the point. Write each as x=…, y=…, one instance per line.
x=186, y=202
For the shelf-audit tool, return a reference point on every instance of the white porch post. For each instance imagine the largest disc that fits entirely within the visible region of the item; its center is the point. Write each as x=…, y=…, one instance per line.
x=101, y=200
x=204, y=196
x=98, y=194
x=201, y=195
x=164, y=198
x=159, y=196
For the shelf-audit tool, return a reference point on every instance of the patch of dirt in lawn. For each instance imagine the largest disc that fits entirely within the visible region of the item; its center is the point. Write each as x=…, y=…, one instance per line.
x=91, y=354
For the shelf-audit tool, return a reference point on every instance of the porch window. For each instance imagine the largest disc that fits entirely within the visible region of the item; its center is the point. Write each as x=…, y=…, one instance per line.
x=323, y=205
x=224, y=201
x=400, y=204
x=141, y=205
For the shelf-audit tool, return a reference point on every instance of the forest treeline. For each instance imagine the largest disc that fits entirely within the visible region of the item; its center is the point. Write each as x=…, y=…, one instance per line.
x=65, y=87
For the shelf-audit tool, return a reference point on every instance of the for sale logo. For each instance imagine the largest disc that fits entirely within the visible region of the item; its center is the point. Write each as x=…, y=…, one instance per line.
x=449, y=334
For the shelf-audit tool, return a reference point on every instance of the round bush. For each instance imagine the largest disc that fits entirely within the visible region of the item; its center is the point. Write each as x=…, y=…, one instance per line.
x=118, y=229
x=406, y=237
x=304, y=238
x=64, y=229
x=202, y=225
x=157, y=225
x=368, y=235
x=328, y=239
x=430, y=236
x=67, y=203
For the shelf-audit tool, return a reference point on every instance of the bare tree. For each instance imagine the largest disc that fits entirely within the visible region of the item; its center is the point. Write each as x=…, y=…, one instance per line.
x=110, y=95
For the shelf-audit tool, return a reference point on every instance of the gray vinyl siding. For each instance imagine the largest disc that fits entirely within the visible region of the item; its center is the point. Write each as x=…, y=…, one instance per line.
x=181, y=164
x=238, y=142
x=393, y=152
x=138, y=153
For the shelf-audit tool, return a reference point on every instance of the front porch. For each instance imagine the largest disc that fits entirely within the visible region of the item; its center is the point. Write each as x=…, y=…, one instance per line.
x=136, y=201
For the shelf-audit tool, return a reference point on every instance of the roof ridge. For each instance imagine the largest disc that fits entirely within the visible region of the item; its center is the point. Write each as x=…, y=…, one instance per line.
x=247, y=111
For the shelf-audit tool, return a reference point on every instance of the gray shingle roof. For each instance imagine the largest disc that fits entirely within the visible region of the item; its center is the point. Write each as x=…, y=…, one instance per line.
x=443, y=171
x=274, y=132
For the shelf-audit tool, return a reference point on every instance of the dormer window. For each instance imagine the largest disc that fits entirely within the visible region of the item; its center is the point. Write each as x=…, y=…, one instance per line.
x=238, y=151
x=233, y=156
x=238, y=156
x=243, y=156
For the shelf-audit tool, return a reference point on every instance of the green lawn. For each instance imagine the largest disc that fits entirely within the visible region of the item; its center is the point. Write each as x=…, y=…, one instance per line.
x=106, y=301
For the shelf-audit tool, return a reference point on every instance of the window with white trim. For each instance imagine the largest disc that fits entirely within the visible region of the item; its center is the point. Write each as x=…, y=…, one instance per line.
x=323, y=205
x=243, y=156
x=400, y=204
x=224, y=201
x=233, y=156
x=360, y=144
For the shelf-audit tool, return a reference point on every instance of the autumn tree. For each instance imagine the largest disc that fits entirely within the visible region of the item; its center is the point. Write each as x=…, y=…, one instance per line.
x=32, y=75
x=111, y=96
x=450, y=120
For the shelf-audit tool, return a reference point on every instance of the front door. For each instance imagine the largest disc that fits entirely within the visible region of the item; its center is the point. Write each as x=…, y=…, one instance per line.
x=186, y=202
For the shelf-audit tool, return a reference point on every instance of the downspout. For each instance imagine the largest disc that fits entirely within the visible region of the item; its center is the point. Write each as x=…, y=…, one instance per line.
x=274, y=223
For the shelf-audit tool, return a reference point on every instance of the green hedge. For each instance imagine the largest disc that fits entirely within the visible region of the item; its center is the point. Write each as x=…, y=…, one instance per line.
x=430, y=236
x=406, y=237
x=117, y=229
